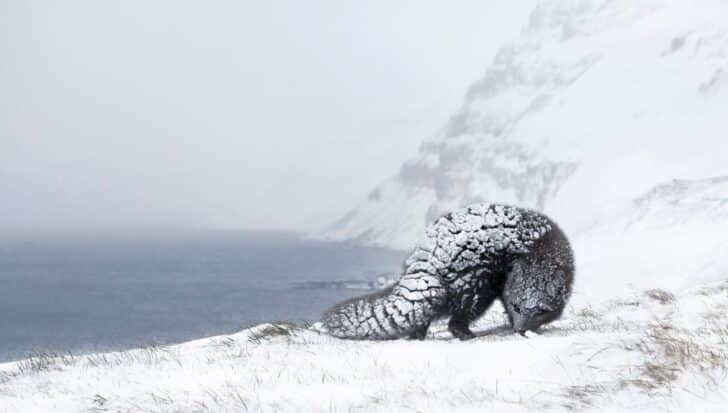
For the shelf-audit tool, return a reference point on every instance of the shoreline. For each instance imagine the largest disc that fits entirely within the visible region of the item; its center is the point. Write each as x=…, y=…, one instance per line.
x=648, y=350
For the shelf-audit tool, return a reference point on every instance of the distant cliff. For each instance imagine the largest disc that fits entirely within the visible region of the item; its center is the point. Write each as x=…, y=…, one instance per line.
x=594, y=103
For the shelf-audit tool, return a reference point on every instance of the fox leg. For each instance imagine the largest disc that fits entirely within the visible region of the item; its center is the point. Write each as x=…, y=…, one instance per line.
x=420, y=333
x=471, y=310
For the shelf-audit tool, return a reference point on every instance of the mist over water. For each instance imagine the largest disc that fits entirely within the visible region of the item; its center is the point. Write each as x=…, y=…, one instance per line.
x=122, y=122
x=83, y=292
x=256, y=115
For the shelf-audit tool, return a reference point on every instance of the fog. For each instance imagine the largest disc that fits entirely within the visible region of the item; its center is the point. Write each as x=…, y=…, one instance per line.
x=257, y=115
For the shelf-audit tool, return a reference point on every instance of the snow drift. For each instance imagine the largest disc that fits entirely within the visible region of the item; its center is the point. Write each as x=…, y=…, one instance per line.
x=671, y=237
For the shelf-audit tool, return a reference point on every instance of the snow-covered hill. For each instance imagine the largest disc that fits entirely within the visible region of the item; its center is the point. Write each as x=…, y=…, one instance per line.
x=593, y=104
x=644, y=331
x=650, y=352
x=674, y=237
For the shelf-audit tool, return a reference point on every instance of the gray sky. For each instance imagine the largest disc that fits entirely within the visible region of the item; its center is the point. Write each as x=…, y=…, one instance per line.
x=252, y=114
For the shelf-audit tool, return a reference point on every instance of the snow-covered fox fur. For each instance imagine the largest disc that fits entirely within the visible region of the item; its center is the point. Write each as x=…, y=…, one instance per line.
x=469, y=258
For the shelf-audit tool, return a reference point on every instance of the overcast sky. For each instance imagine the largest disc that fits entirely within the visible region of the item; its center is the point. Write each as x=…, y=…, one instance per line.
x=249, y=114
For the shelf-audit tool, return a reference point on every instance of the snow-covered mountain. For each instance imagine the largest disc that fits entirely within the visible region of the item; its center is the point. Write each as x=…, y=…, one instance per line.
x=672, y=237
x=594, y=103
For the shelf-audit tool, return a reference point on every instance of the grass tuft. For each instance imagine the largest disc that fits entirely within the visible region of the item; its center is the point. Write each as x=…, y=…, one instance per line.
x=671, y=352
x=44, y=361
x=661, y=296
x=283, y=329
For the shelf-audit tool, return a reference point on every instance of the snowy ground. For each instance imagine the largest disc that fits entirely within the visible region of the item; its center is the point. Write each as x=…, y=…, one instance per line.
x=652, y=351
x=646, y=329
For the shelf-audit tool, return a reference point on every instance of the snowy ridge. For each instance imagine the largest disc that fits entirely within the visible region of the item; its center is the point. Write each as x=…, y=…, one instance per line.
x=595, y=102
x=673, y=236
x=683, y=202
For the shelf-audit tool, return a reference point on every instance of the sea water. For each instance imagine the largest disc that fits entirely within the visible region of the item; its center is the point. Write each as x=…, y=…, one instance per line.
x=117, y=291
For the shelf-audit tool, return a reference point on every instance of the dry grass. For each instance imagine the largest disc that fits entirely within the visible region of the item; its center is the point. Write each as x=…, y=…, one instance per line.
x=45, y=361
x=268, y=332
x=149, y=356
x=715, y=289
x=41, y=362
x=661, y=296
x=672, y=355
x=672, y=352
x=580, y=397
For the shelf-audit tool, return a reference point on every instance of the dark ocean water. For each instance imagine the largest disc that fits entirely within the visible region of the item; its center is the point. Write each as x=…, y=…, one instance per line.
x=90, y=293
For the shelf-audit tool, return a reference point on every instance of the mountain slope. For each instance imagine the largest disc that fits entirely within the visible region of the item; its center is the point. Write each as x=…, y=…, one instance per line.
x=591, y=105
x=672, y=237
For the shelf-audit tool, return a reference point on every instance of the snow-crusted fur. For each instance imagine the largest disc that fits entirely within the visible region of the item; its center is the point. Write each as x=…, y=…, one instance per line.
x=467, y=258
x=539, y=283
